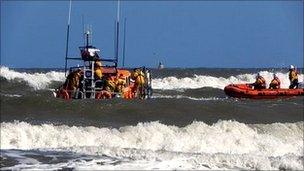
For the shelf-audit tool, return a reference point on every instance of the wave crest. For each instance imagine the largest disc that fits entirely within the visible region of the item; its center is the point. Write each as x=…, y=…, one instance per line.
x=43, y=80
x=229, y=137
x=35, y=80
x=200, y=81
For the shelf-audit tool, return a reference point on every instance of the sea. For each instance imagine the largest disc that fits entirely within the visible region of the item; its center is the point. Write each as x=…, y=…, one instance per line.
x=188, y=124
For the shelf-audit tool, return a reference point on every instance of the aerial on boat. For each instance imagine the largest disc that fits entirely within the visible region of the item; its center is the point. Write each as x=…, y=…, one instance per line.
x=101, y=78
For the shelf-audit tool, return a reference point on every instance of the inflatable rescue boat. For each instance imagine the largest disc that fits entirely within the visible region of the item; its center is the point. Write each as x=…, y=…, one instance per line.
x=246, y=91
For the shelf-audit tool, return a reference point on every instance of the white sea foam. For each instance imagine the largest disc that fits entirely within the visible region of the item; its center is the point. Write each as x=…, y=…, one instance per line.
x=223, y=137
x=10, y=95
x=200, y=81
x=42, y=80
x=187, y=97
x=35, y=80
x=223, y=145
x=101, y=158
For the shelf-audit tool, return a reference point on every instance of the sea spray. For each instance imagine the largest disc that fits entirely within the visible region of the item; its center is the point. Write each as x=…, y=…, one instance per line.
x=35, y=80
x=43, y=80
x=200, y=81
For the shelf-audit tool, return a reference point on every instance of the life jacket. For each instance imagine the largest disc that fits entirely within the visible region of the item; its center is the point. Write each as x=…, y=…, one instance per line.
x=134, y=75
x=98, y=73
x=73, y=79
x=260, y=81
x=140, y=78
x=275, y=83
x=110, y=85
x=120, y=80
x=293, y=75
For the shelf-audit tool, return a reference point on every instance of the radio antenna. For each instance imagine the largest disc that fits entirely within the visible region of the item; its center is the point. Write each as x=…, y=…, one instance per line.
x=117, y=34
x=67, y=39
x=124, y=43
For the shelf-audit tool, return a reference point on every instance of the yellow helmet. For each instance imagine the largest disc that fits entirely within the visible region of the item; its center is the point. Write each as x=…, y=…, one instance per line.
x=98, y=63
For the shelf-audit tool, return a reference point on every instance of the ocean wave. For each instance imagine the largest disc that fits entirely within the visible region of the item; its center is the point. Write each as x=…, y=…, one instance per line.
x=34, y=80
x=10, y=95
x=229, y=137
x=200, y=81
x=223, y=145
x=187, y=97
x=101, y=158
x=43, y=80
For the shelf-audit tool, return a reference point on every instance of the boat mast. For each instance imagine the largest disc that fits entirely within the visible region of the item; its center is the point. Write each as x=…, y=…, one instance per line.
x=124, y=43
x=83, y=29
x=67, y=39
x=117, y=33
x=87, y=33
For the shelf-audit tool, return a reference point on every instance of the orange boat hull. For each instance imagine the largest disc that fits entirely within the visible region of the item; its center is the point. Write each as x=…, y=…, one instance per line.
x=245, y=91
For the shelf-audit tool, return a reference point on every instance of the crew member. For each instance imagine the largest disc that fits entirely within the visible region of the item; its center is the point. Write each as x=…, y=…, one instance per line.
x=139, y=78
x=293, y=77
x=120, y=82
x=275, y=82
x=260, y=82
x=97, y=70
x=98, y=74
x=110, y=84
x=72, y=82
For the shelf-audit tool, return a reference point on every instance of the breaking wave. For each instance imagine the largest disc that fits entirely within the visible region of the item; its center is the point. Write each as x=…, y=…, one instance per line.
x=223, y=145
x=230, y=137
x=43, y=80
x=200, y=81
x=133, y=159
x=34, y=80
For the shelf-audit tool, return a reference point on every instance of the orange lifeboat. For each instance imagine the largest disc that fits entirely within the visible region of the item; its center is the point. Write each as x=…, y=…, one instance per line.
x=246, y=91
